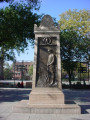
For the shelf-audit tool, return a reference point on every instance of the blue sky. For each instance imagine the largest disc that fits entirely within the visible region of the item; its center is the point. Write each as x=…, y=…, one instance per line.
x=53, y=8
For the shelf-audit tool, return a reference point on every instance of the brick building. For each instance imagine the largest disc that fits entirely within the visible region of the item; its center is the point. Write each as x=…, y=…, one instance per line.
x=20, y=69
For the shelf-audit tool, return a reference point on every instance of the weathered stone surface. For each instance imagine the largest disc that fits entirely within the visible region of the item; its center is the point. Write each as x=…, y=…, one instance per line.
x=25, y=107
x=44, y=74
x=46, y=96
x=47, y=21
x=47, y=25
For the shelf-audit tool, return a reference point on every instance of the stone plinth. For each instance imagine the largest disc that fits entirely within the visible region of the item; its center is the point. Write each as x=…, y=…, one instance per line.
x=24, y=107
x=46, y=96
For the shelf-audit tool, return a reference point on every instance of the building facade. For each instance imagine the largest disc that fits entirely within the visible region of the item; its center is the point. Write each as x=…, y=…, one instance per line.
x=21, y=70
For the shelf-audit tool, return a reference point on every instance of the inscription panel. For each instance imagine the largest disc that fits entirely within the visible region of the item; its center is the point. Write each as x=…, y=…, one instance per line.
x=47, y=41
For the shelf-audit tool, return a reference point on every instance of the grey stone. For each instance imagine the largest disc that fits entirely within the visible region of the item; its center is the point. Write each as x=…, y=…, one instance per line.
x=46, y=38
x=46, y=26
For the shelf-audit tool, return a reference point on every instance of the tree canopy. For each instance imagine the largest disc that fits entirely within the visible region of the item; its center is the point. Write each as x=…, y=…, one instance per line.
x=77, y=20
x=8, y=71
x=17, y=27
x=74, y=38
x=34, y=3
x=30, y=72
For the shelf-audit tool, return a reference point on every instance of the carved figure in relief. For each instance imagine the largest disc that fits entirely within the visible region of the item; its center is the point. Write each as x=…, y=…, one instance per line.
x=51, y=67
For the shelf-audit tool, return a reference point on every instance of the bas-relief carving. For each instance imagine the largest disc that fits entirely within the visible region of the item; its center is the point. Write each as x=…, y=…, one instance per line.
x=46, y=62
x=51, y=68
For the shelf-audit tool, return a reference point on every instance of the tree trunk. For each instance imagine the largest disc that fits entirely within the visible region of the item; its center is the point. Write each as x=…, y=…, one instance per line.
x=70, y=78
x=1, y=68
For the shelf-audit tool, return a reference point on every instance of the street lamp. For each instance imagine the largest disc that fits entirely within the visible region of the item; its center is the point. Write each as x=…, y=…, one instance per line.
x=88, y=53
x=21, y=68
x=14, y=70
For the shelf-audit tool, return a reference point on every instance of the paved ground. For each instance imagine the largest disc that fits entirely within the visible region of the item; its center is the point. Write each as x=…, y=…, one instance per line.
x=9, y=97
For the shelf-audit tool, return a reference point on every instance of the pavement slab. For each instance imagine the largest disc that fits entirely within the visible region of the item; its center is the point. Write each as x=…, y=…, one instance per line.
x=10, y=96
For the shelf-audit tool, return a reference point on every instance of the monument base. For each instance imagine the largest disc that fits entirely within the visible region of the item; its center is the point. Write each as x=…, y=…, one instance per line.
x=46, y=96
x=24, y=107
x=46, y=101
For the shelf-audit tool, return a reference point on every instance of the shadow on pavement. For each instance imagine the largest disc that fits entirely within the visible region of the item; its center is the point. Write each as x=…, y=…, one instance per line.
x=12, y=95
x=77, y=95
x=81, y=97
x=84, y=109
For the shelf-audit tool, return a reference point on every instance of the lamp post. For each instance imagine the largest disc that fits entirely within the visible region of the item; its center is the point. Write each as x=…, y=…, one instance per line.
x=14, y=71
x=88, y=52
x=21, y=68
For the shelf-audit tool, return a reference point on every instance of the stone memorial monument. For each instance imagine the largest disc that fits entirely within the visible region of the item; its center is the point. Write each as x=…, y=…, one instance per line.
x=46, y=96
x=46, y=85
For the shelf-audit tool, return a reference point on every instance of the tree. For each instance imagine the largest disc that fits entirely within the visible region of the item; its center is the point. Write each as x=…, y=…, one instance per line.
x=8, y=72
x=17, y=23
x=74, y=37
x=34, y=3
x=68, y=51
x=78, y=21
x=17, y=29
x=30, y=72
x=31, y=1
x=1, y=68
x=5, y=0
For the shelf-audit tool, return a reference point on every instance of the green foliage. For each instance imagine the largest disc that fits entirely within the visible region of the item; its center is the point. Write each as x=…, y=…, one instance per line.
x=17, y=27
x=8, y=73
x=30, y=72
x=69, y=40
x=74, y=38
x=35, y=4
x=78, y=20
x=5, y=0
